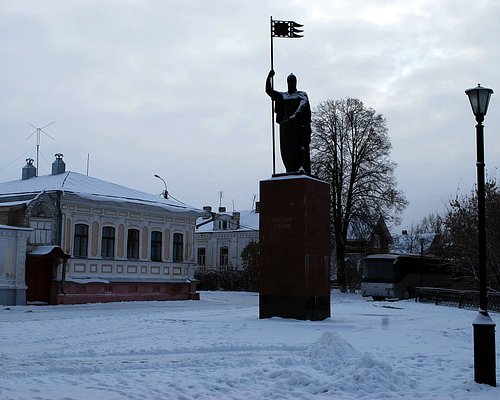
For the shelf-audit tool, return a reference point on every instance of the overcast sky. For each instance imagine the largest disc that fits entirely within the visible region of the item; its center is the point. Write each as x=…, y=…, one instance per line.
x=176, y=88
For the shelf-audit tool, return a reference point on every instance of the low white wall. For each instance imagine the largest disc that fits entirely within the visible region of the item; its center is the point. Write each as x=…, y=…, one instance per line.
x=13, y=242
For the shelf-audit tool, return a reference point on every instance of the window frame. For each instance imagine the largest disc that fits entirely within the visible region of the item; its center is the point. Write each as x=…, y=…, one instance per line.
x=43, y=228
x=133, y=244
x=108, y=242
x=224, y=256
x=177, y=247
x=81, y=241
x=156, y=245
x=202, y=256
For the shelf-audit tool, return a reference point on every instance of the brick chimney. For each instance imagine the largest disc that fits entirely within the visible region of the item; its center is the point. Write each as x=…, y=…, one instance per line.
x=236, y=220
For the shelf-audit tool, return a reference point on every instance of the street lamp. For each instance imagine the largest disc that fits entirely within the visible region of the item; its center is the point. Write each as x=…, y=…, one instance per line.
x=165, y=192
x=483, y=325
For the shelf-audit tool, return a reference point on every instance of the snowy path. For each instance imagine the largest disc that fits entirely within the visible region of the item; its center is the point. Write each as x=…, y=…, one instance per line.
x=217, y=348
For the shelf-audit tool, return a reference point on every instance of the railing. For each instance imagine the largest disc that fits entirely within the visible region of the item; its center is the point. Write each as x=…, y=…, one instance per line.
x=456, y=298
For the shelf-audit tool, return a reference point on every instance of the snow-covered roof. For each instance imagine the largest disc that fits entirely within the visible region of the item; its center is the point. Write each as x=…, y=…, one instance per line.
x=389, y=256
x=360, y=229
x=410, y=243
x=88, y=187
x=292, y=176
x=15, y=228
x=249, y=221
x=45, y=250
x=13, y=203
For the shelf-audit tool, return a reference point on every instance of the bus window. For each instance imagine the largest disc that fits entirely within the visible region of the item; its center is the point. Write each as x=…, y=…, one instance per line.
x=379, y=271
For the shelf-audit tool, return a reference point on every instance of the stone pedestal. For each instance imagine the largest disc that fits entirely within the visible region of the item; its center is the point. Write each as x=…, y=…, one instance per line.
x=294, y=248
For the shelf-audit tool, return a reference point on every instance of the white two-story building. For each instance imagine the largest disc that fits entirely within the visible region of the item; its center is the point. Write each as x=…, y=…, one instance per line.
x=220, y=238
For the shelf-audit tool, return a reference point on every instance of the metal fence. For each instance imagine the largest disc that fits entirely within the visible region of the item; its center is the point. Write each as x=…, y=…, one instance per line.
x=456, y=298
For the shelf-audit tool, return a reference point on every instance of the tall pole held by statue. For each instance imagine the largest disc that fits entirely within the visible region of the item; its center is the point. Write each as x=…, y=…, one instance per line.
x=282, y=29
x=272, y=102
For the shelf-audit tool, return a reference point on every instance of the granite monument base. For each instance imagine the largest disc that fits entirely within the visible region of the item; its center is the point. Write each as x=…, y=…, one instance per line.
x=294, y=248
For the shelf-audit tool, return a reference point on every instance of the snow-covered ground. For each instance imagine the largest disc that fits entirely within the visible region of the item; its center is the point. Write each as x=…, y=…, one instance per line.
x=217, y=348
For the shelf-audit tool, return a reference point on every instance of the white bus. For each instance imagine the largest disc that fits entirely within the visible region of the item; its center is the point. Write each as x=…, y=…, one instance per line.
x=398, y=276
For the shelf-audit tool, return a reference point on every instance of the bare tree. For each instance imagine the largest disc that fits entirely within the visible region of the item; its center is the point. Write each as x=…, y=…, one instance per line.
x=461, y=233
x=351, y=151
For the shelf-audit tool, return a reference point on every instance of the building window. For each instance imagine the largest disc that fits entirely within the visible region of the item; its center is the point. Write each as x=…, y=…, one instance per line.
x=376, y=241
x=81, y=241
x=108, y=242
x=133, y=244
x=224, y=256
x=201, y=256
x=222, y=224
x=156, y=244
x=42, y=231
x=178, y=247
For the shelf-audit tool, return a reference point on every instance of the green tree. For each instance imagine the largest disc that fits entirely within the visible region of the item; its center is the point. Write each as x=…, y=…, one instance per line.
x=250, y=257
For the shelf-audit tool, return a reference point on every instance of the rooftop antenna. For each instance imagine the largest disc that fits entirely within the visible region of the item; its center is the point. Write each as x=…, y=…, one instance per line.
x=38, y=132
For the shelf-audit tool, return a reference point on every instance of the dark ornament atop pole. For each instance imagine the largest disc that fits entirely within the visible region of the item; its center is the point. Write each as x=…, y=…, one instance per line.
x=286, y=29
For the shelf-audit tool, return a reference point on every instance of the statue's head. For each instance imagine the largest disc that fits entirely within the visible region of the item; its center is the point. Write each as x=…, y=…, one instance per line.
x=291, y=80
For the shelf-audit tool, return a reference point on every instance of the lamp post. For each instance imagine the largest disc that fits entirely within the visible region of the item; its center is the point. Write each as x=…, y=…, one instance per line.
x=165, y=192
x=483, y=325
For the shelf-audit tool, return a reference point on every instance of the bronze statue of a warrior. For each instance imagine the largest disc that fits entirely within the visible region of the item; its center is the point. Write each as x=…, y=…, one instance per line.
x=293, y=114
